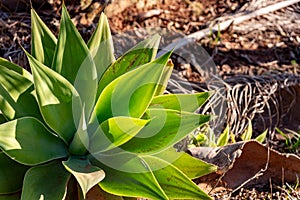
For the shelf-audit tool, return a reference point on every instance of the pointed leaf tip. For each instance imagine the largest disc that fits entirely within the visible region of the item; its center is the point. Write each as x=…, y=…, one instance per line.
x=43, y=41
x=56, y=98
x=142, y=53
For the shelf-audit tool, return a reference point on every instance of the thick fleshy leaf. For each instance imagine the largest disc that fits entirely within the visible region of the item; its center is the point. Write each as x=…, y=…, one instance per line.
x=14, y=83
x=166, y=128
x=16, y=92
x=72, y=59
x=29, y=142
x=47, y=181
x=43, y=41
x=165, y=78
x=85, y=173
x=71, y=50
x=11, y=175
x=174, y=183
x=131, y=178
x=80, y=141
x=262, y=137
x=144, y=52
x=101, y=46
x=181, y=102
x=190, y=166
x=16, y=68
x=224, y=137
x=131, y=93
x=115, y=132
x=125, y=170
x=56, y=98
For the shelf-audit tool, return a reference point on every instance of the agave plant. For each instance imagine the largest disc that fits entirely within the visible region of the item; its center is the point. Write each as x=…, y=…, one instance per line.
x=83, y=119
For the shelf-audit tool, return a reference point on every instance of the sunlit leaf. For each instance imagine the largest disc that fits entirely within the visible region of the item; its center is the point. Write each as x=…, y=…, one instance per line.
x=224, y=137
x=180, y=102
x=261, y=138
x=21, y=71
x=115, y=132
x=190, y=166
x=56, y=98
x=165, y=78
x=74, y=62
x=46, y=182
x=29, y=142
x=43, y=42
x=174, y=183
x=132, y=100
x=85, y=173
x=166, y=128
x=131, y=178
x=147, y=176
x=101, y=46
x=16, y=89
x=142, y=53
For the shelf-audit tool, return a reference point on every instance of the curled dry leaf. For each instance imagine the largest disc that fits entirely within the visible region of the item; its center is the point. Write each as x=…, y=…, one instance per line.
x=251, y=164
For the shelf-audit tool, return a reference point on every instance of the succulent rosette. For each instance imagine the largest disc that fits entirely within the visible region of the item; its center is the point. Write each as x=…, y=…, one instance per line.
x=84, y=119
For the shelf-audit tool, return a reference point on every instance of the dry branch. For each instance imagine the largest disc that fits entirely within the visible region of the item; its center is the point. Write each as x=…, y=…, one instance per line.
x=234, y=19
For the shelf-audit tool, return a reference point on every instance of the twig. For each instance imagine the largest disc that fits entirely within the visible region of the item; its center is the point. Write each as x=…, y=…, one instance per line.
x=234, y=19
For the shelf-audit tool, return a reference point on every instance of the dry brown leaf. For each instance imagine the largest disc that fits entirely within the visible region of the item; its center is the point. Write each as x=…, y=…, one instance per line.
x=251, y=164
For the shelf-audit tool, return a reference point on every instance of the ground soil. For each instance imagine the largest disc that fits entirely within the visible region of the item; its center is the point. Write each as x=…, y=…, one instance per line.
x=252, y=48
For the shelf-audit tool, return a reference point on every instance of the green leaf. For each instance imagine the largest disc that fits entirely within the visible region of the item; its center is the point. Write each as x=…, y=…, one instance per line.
x=43, y=42
x=247, y=135
x=232, y=137
x=74, y=62
x=166, y=128
x=288, y=141
x=16, y=92
x=2, y=118
x=71, y=51
x=11, y=175
x=165, y=78
x=46, y=181
x=27, y=141
x=56, y=98
x=80, y=141
x=142, y=53
x=261, y=138
x=132, y=178
x=141, y=85
x=224, y=137
x=180, y=102
x=115, y=132
x=21, y=71
x=173, y=182
x=85, y=173
x=101, y=46
x=190, y=166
